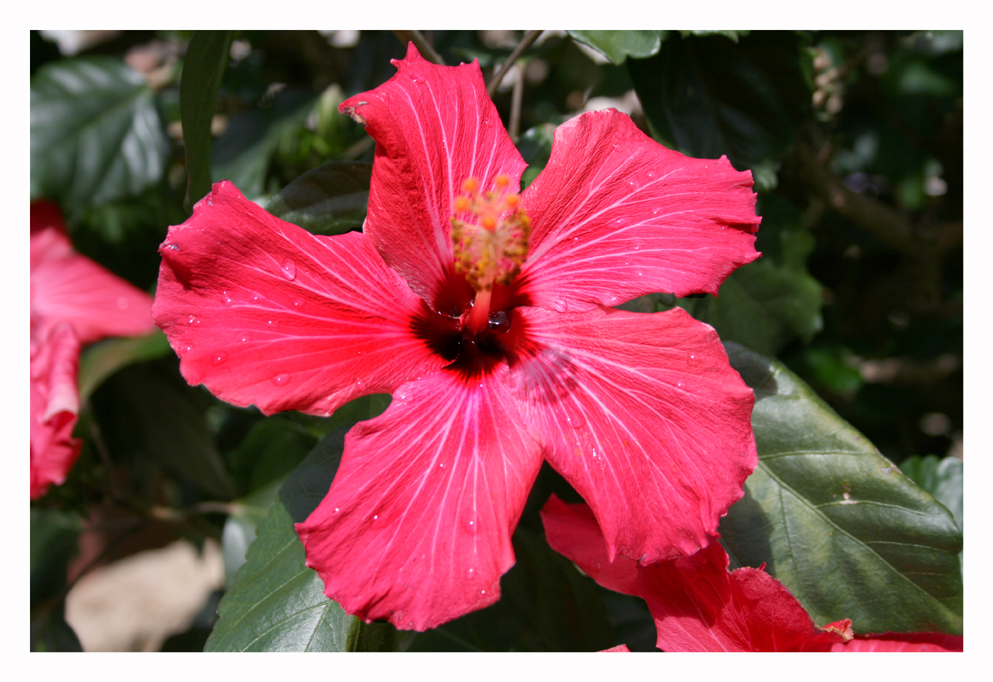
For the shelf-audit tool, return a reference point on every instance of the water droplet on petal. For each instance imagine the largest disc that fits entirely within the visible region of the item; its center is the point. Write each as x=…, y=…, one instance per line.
x=219, y=357
x=173, y=247
x=281, y=379
x=122, y=303
x=694, y=360
x=651, y=174
x=470, y=572
x=210, y=203
x=559, y=306
x=298, y=303
x=499, y=322
x=336, y=510
x=375, y=517
x=193, y=320
x=289, y=270
x=227, y=298
x=482, y=591
x=245, y=336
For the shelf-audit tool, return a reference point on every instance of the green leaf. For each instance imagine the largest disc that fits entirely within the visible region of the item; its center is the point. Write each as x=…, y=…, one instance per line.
x=95, y=133
x=206, y=57
x=764, y=305
x=331, y=199
x=149, y=416
x=619, y=45
x=710, y=96
x=242, y=153
x=270, y=450
x=545, y=605
x=240, y=528
x=835, y=521
x=276, y=602
x=942, y=477
x=101, y=360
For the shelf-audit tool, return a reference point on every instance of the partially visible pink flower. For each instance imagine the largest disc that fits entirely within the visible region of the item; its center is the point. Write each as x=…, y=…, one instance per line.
x=485, y=313
x=74, y=301
x=698, y=605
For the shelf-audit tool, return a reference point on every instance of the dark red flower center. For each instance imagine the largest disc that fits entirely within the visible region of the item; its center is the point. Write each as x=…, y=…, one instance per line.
x=470, y=350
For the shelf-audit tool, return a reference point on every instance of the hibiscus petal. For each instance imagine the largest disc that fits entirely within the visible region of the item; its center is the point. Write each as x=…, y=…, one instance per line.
x=616, y=215
x=54, y=407
x=66, y=286
x=434, y=127
x=900, y=642
x=645, y=418
x=261, y=311
x=416, y=527
x=699, y=606
x=572, y=531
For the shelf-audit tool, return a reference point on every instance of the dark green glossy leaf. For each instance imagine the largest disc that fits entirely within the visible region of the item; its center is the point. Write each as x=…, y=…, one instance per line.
x=206, y=57
x=331, y=199
x=835, y=521
x=940, y=476
x=101, y=360
x=240, y=528
x=152, y=419
x=545, y=605
x=242, y=153
x=709, y=96
x=95, y=133
x=619, y=45
x=270, y=450
x=276, y=602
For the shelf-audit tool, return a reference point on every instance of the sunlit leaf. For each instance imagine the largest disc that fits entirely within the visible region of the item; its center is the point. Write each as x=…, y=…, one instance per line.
x=96, y=135
x=331, y=199
x=619, y=45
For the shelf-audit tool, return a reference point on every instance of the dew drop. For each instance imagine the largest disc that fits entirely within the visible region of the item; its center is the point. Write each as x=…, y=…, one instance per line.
x=281, y=379
x=245, y=336
x=193, y=320
x=375, y=517
x=227, y=298
x=482, y=591
x=210, y=203
x=577, y=420
x=470, y=572
x=122, y=303
x=336, y=510
x=651, y=174
x=173, y=247
x=289, y=270
x=559, y=306
x=499, y=322
x=298, y=303
x=680, y=384
x=219, y=357
x=694, y=360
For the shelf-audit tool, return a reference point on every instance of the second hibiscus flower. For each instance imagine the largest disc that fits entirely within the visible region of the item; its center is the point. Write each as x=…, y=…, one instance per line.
x=485, y=313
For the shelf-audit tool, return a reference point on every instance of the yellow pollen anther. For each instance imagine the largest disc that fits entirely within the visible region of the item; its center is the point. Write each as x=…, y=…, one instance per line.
x=491, y=249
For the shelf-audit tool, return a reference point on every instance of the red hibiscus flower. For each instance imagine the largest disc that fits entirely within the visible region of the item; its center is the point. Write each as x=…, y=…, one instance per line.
x=485, y=313
x=698, y=605
x=74, y=301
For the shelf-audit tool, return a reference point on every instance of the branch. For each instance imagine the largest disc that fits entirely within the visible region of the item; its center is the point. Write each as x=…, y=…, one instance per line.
x=518, y=51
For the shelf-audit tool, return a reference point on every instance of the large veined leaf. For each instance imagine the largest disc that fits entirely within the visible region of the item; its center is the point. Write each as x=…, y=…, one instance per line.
x=95, y=133
x=276, y=602
x=942, y=477
x=330, y=199
x=835, y=521
x=206, y=57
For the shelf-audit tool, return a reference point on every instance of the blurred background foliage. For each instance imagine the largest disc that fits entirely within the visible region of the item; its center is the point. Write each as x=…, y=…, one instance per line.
x=854, y=139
